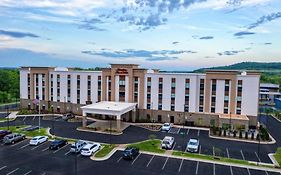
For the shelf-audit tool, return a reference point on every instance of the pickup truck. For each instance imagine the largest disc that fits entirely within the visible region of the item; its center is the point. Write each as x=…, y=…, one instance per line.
x=13, y=138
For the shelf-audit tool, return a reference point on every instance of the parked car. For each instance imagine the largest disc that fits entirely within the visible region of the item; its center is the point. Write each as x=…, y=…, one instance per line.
x=3, y=133
x=38, y=140
x=77, y=146
x=166, y=127
x=13, y=138
x=167, y=142
x=90, y=148
x=56, y=144
x=193, y=145
x=130, y=153
x=67, y=116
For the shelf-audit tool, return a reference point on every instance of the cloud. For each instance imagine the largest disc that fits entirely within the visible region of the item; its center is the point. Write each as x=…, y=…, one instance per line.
x=16, y=34
x=155, y=55
x=147, y=14
x=175, y=42
x=230, y=52
x=265, y=19
x=206, y=37
x=91, y=24
x=243, y=33
x=267, y=43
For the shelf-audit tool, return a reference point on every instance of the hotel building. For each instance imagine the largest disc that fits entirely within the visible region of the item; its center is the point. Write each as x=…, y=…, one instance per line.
x=216, y=98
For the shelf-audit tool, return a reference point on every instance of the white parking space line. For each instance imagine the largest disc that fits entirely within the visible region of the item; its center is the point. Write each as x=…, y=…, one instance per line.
x=257, y=156
x=196, y=172
x=59, y=149
x=174, y=146
x=24, y=118
x=11, y=172
x=150, y=161
x=198, y=133
x=45, y=149
x=38, y=146
x=248, y=171
x=67, y=153
x=33, y=118
x=213, y=151
x=227, y=153
x=187, y=132
x=231, y=171
x=119, y=159
x=200, y=149
x=214, y=169
x=28, y=172
x=242, y=154
x=165, y=163
x=266, y=172
x=24, y=146
x=180, y=165
x=136, y=159
x=178, y=130
x=78, y=155
x=43, y=173
x=3, y=167
x=18, y=143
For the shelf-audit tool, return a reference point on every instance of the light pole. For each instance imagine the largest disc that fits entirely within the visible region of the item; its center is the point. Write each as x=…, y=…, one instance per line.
x=39, y=109
x=259, y=134
x=75, y=161
x=8, y=119
x=110, y=125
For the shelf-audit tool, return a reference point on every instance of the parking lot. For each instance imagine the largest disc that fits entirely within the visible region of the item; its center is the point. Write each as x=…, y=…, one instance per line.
x=209, y=146
x=165, y=165
x=23, y=159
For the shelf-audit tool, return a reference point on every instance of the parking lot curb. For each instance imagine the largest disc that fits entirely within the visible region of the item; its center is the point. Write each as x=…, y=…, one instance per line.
x=99, y=132
x=273, y=141
x=272, y=158
x=108, y=155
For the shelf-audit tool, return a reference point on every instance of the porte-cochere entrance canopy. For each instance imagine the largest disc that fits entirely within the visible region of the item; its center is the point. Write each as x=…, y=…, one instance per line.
x=108, y=108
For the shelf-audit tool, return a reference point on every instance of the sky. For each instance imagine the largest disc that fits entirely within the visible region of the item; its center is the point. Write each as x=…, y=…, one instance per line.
x=166, y=34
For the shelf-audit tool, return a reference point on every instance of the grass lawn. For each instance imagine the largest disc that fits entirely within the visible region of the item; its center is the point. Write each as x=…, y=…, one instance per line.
x=106, y=149
x=277, y=156
x=149, y=145
x=18, y=129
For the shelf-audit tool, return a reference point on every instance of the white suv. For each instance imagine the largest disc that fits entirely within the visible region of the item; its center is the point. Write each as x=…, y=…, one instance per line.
x=90, y=149
x=193, y=145
x=168, y=142
x=77, y=146
x=166, y=127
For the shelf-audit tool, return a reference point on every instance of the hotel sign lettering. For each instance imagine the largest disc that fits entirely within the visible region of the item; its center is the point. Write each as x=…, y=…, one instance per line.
x=121, y=71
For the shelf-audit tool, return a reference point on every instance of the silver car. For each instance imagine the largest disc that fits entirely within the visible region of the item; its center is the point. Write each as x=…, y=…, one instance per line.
x=77, y=146
x=13, y=138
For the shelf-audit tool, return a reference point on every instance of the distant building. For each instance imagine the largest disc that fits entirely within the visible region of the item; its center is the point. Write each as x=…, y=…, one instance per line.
x=268, y=92
x=216, y=98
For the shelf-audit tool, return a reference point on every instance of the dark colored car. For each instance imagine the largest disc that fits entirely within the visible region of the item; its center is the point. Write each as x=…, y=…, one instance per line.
x=68, y=116
x=130, y=153
x=3, y=133
x=31, y=128
x=56, y=144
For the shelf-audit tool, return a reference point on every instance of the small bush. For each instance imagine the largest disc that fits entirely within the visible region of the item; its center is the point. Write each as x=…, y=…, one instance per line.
x=152, y=137
x=234, y=133
x=252, y=136
x=246, y=135
x=240, y=134
x=224, y=132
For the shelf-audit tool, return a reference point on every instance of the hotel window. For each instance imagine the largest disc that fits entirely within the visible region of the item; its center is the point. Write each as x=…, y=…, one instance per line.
x=201, y=95
x=78, y=89
x=122, y=89
x=148, y=92
x=186, y=98
x=99, y=88
x=89, y=89
x=136, y=89
x=173, y=93
x=43, y=80
x=58, y=88
x=68, y=88
x=28, y=79
x=239, y=97
x=213, y=96
x=28, y=86
x=160, y=95
x=36, y=79
x=109, y=88
x=226, y=97
x=52, y=89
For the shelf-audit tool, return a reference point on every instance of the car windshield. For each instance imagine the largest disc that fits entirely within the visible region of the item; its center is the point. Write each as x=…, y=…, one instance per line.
x=85, y=149
x=166, y=124
x=193, y=143
x=35, y=139
x=165, y=142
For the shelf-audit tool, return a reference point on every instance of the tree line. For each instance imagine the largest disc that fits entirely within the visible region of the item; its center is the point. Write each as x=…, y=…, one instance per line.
x=9, y=85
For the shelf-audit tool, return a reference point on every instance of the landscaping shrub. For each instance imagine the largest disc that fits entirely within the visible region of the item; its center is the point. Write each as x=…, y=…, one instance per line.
x=220, y=132
x=258, y=136
x=240, y=134
x=224, y=132
x=246, y=135
x=234, y=133
x=252, y=136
